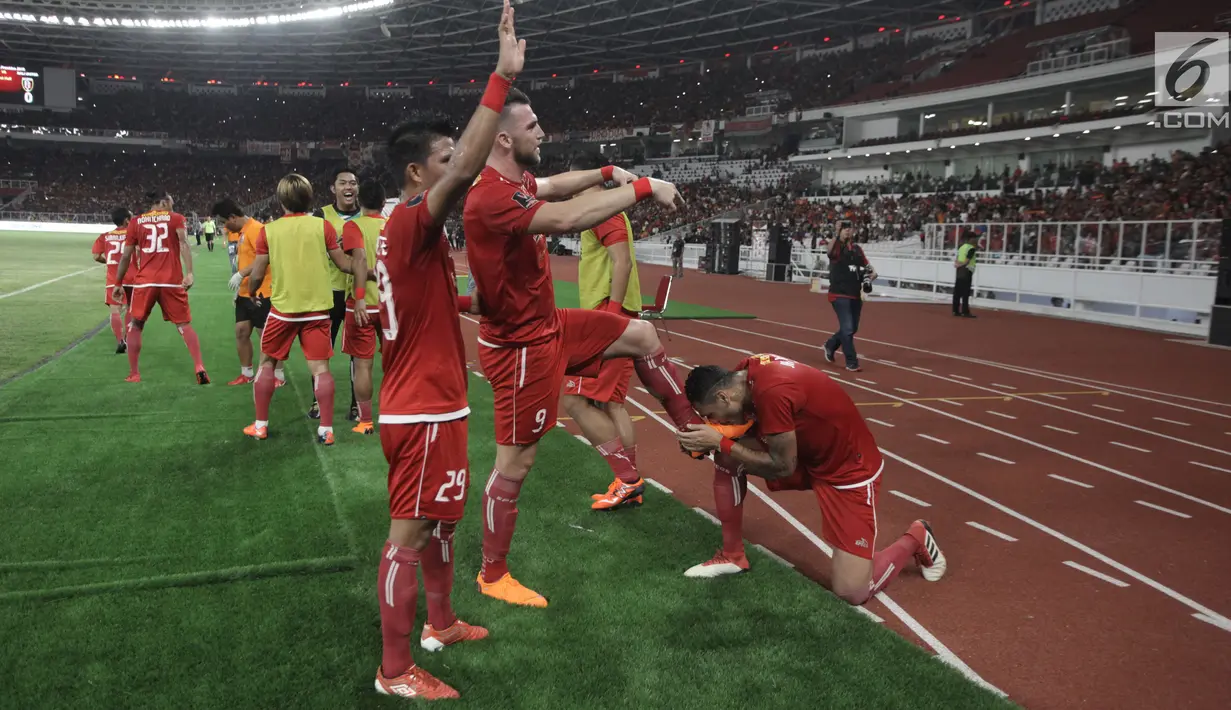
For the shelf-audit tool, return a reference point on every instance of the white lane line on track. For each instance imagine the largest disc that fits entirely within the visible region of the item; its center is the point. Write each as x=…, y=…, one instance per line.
x=891, y=362
x=770, y=553
x=658, y=485
x=1054, y=396
x=582, y=439
x=1043, y=374
x=1171, y=421
x=956, y=404
x=703, y=513
x=1110, y=409
x=962, y=377
x=899, y=389
x=1095, y=573
x=1222, y=624
x=1069, y=480
x=1000, y=414
x=985, y=427
x=912, y=499
x=869, y=614
x=1007, y=387
x=1056, y=428
x=1214, y=468
x=990, y=531
x=877, y=421
x=920, y=369
x=941, y=650
x=1169, y=511
x=932, y=438
x=1129, y=446
x=866, y=382
x=30, y=288
x=997, y=458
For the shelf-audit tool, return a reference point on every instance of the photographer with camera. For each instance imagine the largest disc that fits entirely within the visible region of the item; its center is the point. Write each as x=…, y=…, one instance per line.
x=850, y=278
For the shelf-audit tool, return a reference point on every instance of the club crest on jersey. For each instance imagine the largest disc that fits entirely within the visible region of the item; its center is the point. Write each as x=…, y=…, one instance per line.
x=526, y=201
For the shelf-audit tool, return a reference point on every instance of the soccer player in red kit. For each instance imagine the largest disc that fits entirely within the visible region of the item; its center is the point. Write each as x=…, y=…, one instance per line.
x=423, y=407
x=814, y=439
x=526, y=344
x=107, y=250
x=161, y=278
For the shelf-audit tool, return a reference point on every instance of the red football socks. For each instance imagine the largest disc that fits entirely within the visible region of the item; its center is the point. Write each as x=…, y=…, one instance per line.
x=397, y=585
x=365, y=410
x=887, y=563
x=263, y=391
x=730, y=488
x=194, y=345
x=658, y=375
x=631, y=453
x=621, y=465
x=437, y=561
x=322, y=385
x=117, y=327
x=134, y=349
x=499, y=521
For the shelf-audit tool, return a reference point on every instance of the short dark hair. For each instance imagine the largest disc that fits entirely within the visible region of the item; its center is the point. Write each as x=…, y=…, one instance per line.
x=226, y=208
x=969, y=234
x=705, y=381
x=341, y=170
x=120, y=215
x=514, y=97
x=587, y=161
x=371, y=194
x=411, y=142
x=156, y=195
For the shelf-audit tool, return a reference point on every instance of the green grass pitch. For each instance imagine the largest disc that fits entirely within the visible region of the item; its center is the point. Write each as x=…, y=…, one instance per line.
x=152, y=557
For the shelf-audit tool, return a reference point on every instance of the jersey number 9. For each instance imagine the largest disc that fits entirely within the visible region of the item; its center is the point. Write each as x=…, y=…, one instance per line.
x=385, y=288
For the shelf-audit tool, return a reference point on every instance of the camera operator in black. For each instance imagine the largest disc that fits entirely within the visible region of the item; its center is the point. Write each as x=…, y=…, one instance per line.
x=850, y=276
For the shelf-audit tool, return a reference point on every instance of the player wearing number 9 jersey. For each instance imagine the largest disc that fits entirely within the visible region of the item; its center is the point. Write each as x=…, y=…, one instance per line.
x=423, y=407
x=159, y=240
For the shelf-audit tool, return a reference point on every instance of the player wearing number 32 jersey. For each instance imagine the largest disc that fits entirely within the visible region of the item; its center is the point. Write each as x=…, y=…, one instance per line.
x=423, y=407
x=159, y=240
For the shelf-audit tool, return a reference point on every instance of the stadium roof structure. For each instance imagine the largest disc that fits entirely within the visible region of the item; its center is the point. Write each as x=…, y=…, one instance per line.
x=410, y=42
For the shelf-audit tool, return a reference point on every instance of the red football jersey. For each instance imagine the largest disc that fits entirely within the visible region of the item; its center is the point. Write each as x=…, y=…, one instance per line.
x=832, y=440
x=509, y=265
x=423, y=357
x=112, y=245
x=155, y=236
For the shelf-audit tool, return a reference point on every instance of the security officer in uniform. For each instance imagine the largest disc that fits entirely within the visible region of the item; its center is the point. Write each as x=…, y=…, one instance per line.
x=964, y=283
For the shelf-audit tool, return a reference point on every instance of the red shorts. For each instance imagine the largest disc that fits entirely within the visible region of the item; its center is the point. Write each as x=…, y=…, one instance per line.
x=848, y=513
x=362, y=342
x=171, y=300
x=526, y=381
x=427, y=469
x=611, y=385
x=128, y=297
x=313, y=332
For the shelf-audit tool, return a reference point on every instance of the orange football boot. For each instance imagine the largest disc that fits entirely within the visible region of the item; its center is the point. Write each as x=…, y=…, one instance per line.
x=509, y=590
x=366, y=428
x=241, y=380
x=620, y=495
x=611, y=489
x=256, y=432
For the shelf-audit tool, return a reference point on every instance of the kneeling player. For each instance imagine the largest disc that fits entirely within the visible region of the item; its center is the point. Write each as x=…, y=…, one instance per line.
x=107, y=250
x=251, y=308
x=361, y=331
x=815, y=439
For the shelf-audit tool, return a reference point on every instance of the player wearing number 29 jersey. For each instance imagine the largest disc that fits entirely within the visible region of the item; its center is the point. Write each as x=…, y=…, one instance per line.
x=108, y=249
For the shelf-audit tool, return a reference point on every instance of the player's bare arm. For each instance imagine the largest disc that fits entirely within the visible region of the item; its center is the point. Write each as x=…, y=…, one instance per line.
x=621, y=271
x=592, y=209
x=475, y=143
x=185, y=256
x=359, y=264
x=341, y=261
x=256, y=273
x=778, y=461
x=100, y=258
x=565, y=185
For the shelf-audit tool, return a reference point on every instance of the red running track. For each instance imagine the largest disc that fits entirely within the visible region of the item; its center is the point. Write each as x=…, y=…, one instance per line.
x=1078, y=477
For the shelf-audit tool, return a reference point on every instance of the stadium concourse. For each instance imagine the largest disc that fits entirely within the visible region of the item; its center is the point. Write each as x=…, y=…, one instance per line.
x=1069, y=448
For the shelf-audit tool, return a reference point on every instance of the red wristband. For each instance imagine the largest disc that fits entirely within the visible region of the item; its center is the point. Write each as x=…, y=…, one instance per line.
x=464, y=303
x=725, y=446
x=497, y=90
x=608, y=171
x=360, y=293
x=642, y=189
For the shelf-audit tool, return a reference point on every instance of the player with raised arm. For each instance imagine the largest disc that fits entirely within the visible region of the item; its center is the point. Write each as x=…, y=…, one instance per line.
x=345, y=206
x=361, y=335
x=299, y=250
x=526, y=344
x=251, y=307
x=164, y=275
x=107, y=250
x=607, y=280
x=423, y=406
x=812, y=437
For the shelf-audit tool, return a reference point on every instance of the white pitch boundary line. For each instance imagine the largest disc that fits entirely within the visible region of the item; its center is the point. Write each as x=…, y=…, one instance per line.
x=770, y=554
x=1095, y=573
x=582, y=439
x=942, y=651
x=1000, y=414
x=1043, y=374
x=1213, y=468
x=1015, y=437
x=658, y=485
x=869, y=614
x=1062, y=431
x=877, y=421
x=991, y=531
x=912, y=499
x=1128, y=446
x=1069, y=480
x=932, y=438
x=27, y=289
x=1171, y=421
x=705, y=514
x=996, y=458
x=899, y=389
x=1169, y=511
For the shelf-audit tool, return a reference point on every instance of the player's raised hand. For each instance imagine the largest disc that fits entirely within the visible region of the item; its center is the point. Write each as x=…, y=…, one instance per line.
x=512, y=50
x=620, y=176
x=666, y=194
